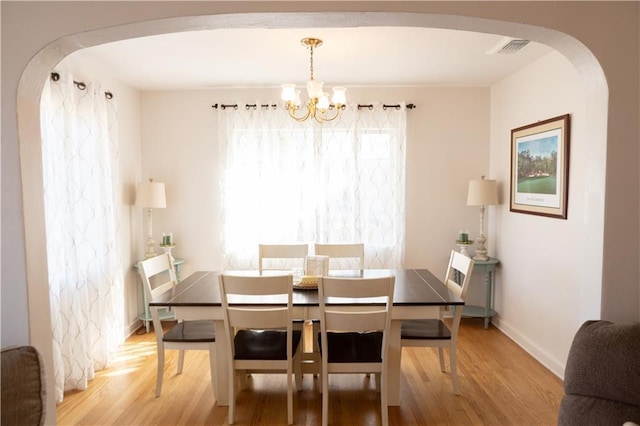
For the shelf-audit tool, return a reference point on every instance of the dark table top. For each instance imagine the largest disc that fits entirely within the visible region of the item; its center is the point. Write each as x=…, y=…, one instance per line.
x=413, y=287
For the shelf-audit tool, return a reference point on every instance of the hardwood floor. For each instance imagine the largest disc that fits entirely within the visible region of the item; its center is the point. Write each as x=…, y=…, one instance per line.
x=500, y=383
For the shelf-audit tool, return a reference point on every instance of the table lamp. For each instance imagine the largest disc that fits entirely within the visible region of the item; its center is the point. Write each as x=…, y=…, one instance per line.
x=482, y=192
x=150, y=195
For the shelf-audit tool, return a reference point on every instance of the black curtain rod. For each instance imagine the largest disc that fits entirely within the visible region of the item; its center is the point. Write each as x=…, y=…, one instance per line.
x=385, y=106
x=79, y=84
x=360, y=106
x=247, y=106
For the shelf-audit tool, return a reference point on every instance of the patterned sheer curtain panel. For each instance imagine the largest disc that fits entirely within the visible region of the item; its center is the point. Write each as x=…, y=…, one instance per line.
x=287, y=182
x=80, y=158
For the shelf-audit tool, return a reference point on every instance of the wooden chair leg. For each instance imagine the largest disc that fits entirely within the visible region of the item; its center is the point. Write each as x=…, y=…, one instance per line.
x=325, y=399
x=160, y=371
x=441, y=356
x=454, y=370
x=297, y=371
x=290, y=397
x=232, y=397
x=384, y=400
x=180, y=360
x=243, y=376
x=315, y=332
x=212, y=366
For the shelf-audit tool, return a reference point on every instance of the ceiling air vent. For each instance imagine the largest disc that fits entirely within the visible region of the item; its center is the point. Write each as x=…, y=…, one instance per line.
x=508, y=46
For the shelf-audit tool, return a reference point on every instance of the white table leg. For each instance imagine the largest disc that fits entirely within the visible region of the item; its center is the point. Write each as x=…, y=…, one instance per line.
x=222, y=373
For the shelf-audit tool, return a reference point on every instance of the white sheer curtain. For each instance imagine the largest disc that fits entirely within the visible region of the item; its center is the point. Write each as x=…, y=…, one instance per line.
x=339, y=182
x=80, y=149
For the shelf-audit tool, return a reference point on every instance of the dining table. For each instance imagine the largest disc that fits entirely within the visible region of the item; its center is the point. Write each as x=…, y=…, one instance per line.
x=418, y=294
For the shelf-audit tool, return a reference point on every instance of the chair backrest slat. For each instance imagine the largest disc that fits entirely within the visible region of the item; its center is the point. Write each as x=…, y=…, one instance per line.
x=354, y=287
x=335, y=292
x=269, y=318
x=350, y=321
x=153, y=269
x=281, y=251
x=278, y=289
x=344, y=251
x=460, y=268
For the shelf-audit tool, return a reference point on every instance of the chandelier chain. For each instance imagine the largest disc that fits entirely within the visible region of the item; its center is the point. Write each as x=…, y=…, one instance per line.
x=311, y=66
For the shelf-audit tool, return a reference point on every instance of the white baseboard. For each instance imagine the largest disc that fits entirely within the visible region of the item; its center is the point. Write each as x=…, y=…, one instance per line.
x=132, y=328
x=552, y=364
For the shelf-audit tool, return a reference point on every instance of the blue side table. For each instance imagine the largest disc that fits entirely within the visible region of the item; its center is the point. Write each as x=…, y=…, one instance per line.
x=163, y=314
x=487, y=310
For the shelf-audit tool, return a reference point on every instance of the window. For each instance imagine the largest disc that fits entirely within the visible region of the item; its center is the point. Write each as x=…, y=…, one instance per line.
x=339, y=182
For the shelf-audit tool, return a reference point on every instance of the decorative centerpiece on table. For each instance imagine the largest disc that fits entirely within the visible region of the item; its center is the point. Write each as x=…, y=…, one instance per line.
x=464, y=242
x=167, y=242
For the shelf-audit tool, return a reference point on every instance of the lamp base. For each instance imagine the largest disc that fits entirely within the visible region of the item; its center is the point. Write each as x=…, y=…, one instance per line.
x=481, y=251
x=151, y=249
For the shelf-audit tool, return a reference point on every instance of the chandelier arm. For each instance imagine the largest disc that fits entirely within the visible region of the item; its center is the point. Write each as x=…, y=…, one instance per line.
x=299, y=118
x=324, y=116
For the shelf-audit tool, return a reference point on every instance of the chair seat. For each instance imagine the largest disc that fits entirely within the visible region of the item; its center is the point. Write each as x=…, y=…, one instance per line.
x=425, y=329
x=191, y=331
x=353, y=347
x=264, y=344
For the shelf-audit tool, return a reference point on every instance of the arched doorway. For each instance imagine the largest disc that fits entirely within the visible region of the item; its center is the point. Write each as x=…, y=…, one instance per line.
x=38, y=70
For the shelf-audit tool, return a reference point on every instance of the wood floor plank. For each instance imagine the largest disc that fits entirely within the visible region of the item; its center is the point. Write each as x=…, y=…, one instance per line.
x=500, y=383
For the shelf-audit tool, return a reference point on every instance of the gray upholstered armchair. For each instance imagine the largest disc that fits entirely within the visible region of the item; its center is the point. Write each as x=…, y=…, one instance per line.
x=602, y=378
x=23, y=386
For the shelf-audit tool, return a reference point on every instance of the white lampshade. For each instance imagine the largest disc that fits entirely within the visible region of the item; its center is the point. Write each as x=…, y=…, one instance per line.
x=314, y=88
x=323, y=102
x=339, y=95
x=482, y=192
x=288, y=92
x=151, y=195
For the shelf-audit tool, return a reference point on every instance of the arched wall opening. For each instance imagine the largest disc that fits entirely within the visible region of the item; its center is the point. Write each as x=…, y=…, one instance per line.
x=37, y=71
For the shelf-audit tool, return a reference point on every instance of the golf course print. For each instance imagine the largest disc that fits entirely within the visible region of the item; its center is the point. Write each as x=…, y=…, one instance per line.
x=537, y=166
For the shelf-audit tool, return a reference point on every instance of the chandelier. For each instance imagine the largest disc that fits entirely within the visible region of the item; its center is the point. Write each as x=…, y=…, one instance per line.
x=318, y=105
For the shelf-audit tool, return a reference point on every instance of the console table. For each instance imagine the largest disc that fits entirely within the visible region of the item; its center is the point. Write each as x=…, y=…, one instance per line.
x=487, y=310
x=145, y=316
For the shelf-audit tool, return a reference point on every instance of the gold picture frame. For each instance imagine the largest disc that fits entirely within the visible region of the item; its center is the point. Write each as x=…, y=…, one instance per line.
x=540, y=168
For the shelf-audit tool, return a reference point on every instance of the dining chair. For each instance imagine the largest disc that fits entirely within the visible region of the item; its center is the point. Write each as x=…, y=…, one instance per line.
x=342, y=256
x=260, y=339
x=288, y=254
x=342, y=251
x=435, y=332
x=355, y=341
x=184, y=335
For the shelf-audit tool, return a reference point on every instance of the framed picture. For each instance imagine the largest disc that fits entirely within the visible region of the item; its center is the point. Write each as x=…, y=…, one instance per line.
x=540, y=168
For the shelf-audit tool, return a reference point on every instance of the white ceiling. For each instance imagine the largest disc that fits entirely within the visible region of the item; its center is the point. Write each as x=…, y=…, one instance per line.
x=363, y=56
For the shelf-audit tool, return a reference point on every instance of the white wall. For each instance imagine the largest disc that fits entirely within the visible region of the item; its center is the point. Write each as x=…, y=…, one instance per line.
x=447, y=145
x=543, y=282
x=127, y=102
x=547, y=276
